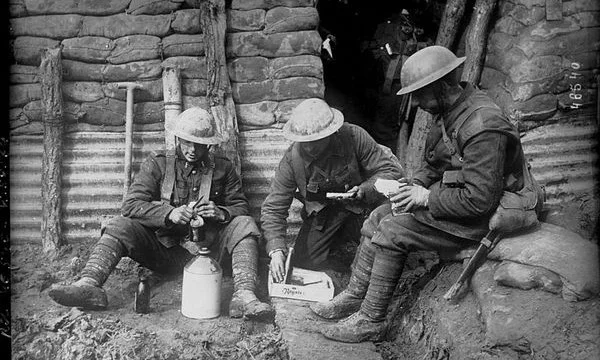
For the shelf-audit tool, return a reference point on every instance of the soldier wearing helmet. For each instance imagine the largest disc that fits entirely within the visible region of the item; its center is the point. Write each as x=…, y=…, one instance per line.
x=154, y=226
x=326, y=156
x=472, y=155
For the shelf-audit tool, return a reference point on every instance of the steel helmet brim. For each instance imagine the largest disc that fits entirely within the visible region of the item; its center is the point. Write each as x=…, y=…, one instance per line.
x=212, y=140
x=336, y=124
x=432, y=77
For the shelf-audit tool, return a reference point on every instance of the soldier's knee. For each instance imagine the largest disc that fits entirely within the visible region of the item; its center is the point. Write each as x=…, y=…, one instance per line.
x=370, y=225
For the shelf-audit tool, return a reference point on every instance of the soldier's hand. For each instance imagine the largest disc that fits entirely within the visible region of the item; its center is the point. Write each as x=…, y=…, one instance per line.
x=411, y=196
x=181, y=215
x=358, y=191
x=277, y=266
x=210, y=211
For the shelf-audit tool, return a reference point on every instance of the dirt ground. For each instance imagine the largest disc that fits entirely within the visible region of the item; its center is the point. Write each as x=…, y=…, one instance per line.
x=422, y=327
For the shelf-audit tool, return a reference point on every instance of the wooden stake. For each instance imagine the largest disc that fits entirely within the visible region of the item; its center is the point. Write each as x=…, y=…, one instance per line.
x=50, y=73
x=477, y=35
x=213, y=21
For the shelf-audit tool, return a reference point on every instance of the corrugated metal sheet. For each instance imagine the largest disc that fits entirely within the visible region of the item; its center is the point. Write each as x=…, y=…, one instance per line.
x=93, y=178
x=563, y=158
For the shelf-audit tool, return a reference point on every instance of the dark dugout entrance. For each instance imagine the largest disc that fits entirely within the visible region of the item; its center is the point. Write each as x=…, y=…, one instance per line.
x=365, y=43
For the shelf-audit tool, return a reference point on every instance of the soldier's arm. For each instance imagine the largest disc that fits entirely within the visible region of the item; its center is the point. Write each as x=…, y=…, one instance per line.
x=275, y=208
x=375, y=163
x=143, y=197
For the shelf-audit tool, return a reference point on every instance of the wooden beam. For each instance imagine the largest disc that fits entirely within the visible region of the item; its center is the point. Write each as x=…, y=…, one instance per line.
x=476, y=44
x=450, y=22
x=172, y=101
x=213, y=21
x=50, y=73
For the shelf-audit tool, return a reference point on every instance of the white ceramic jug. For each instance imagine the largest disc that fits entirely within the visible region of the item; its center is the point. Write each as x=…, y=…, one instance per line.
x=201, y=290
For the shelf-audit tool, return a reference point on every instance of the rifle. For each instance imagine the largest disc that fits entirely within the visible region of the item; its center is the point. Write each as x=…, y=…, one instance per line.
x=486, y=245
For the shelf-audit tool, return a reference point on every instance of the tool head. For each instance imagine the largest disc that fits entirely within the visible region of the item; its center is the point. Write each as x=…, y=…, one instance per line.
x=128, y=85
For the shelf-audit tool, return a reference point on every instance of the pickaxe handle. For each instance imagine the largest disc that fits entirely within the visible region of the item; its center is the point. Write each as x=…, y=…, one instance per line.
x=485, y=246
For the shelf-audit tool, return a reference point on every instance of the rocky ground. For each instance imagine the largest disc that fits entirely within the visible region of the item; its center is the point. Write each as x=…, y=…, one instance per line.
x=491, y=322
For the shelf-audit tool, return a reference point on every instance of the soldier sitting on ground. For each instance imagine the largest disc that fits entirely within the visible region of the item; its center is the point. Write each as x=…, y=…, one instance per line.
x=327, y=156
x=154, y=227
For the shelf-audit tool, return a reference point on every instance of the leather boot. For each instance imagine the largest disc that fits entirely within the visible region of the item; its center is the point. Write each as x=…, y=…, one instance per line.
x=348, y=301
x=244, y=264
x=356, y=328
x=369, y=323
x=87, y=292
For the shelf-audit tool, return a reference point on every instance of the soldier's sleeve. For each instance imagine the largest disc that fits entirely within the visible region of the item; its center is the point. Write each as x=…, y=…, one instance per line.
x=234, y=202
x=275, y=207
x=143, y=197
x=483, y=169
x=375, y=162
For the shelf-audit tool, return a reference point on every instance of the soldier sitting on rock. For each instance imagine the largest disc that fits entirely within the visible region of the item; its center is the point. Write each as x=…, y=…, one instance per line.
x=327, y=156
x=473, y=155
x=154, y=228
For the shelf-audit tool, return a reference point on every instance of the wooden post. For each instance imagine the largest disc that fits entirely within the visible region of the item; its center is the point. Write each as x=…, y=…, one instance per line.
x=172, y=102
x=450, y=23
x=213, y=21
x=447, y=32
x=51, y=80
x=477, y=35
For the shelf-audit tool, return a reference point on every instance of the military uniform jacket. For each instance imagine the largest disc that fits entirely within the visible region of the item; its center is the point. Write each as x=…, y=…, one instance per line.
x=352, y=158
x=492, y=162
x=143, y=201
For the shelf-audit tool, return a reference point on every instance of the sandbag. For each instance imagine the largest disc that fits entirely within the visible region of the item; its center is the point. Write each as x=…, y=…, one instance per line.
x=116, y=26
x=194, y=87
x=284, y=109
x=183, y=45
x=192, y=67
x=526, y=277
x=50, y=26
x=23, y=74
x=86, y=7
x=277, y=90
x=303, y=65
x=187, y=22
x=266, y=4
x=285, y=19
x=153, y=7
x=134, y=48
x=191, y=101
x=149, y=90
x=253, y=43
x=250, y=20
x=248, y=69
x=21, y=94
x=27, y=49
x=559, y=250
x=257, y=114
x=82, y=91
x=89, y=49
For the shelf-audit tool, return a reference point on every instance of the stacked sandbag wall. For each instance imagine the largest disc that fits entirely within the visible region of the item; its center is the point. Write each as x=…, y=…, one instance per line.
x=272, y=47
x=542, y=62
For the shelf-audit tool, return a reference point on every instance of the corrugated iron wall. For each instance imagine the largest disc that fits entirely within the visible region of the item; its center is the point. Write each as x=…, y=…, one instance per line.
x=563, y=158
x=93, y=178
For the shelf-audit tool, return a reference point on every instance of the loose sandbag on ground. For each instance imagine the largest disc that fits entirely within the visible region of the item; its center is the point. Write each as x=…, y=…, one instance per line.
x=557, y=249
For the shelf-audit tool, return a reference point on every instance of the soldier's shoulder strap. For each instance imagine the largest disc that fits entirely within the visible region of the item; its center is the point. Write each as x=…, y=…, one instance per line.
x=169, y=178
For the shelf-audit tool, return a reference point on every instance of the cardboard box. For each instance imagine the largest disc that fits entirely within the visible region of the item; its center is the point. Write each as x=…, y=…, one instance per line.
x=303, y=285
